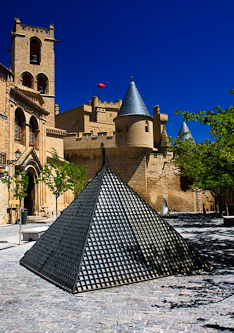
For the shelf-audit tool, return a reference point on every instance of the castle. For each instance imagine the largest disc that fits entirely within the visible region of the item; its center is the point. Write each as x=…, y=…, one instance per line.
x=122, y=134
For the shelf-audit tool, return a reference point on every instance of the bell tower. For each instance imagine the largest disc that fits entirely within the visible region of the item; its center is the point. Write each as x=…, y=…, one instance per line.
x=33, y=62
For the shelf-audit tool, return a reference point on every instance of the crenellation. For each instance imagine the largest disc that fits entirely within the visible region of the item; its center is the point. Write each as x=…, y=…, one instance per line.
x=105, y=104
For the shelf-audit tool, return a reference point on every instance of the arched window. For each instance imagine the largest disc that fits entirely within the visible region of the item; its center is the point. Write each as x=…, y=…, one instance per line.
x=34, y=52
x=19, y=126
x=27, y=79
x=33, y=129
x=42, y=84
x=31, y=136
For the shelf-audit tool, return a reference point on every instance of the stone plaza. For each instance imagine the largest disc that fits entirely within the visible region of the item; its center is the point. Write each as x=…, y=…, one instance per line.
x=200, y=302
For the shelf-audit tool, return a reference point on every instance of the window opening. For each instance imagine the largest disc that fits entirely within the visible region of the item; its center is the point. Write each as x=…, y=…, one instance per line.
x=31, y=136
x=27, y=81
x=147, y=126
x=18, y=128
x=34, y=52
x=41, y=84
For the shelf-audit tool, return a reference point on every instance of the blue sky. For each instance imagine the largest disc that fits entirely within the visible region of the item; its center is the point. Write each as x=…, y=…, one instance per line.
x=180, y=52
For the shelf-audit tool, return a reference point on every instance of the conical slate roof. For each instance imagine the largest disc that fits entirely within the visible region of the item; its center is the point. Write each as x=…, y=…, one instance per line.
x=109, y=236
x=133, y=103
x=184, y=128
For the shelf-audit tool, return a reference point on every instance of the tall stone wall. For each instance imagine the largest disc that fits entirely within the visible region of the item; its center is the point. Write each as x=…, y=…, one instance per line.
x=4, y=203
x=129, y=164
x=2, y=92
x=163, y=180
x=56, y=143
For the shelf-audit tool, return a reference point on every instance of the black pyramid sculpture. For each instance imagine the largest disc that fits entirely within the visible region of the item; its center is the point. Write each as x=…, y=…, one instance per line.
x=109, y=236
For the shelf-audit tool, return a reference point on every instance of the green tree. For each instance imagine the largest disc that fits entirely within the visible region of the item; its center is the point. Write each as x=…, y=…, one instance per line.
x=209, y=164
x=77, y=177
x=61, y=176
x=20, y=182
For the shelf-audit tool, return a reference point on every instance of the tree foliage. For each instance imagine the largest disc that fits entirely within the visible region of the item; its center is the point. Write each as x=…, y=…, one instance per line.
x=20, y=182
x=61, y=176
x=77, y=178
x=209, y=164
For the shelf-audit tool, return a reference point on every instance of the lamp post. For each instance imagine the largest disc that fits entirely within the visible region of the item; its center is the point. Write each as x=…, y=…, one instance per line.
x=9, y=162
x=17, y=156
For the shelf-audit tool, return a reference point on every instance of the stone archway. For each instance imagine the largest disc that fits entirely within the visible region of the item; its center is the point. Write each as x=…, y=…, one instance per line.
x=31, y=198
x=29, y=161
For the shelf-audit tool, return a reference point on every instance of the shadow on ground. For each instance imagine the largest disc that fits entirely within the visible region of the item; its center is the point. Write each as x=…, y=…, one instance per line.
x=215, y=244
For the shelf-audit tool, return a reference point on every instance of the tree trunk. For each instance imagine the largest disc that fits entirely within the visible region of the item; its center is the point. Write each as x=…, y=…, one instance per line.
x=56, y=209
x=20, y=222
x=221, y=205
x=227, y=210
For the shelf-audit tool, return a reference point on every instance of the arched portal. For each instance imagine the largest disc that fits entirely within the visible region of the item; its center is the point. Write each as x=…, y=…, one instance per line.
x=30, y=199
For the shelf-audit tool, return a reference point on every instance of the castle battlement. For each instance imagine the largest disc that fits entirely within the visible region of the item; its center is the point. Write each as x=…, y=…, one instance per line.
x=89, y=140
x=96, y=103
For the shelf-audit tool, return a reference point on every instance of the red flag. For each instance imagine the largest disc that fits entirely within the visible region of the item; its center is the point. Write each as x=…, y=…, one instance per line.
x=101, y=85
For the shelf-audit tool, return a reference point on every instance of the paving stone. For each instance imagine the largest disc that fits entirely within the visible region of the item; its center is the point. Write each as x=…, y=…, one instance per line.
x=174, y=304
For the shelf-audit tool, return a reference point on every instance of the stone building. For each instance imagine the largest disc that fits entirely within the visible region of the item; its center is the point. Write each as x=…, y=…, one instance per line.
x=122, y=134
x=134, y=144
x=27, y=116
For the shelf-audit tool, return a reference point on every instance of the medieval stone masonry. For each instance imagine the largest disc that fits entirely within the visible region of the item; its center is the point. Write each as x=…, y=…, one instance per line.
x=27, y=118
x=122, y=134
x=133, y=144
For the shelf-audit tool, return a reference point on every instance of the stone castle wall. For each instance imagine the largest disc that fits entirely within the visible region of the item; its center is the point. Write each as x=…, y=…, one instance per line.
x=4, y=203
x=130, y=165
x=54, y=139
x=163, y=180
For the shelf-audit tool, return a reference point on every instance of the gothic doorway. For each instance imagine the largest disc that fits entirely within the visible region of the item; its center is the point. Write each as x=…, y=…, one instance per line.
x=29, y=200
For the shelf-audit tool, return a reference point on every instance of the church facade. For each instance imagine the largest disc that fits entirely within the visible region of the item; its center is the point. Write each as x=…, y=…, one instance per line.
x=27, y=118
x=122, y=134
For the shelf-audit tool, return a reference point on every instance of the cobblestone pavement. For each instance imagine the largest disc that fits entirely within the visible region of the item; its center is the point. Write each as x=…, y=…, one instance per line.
x=9, y=234
x=200, y=302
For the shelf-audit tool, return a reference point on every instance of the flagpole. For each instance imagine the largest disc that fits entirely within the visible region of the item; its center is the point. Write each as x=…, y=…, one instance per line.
x=100, y=85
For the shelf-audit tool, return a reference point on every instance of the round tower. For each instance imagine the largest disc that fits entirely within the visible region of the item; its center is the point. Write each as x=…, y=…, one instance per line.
x=134, y=125
x=184, y=133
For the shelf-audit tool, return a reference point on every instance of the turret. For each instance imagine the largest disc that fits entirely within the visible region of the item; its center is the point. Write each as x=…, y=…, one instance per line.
x=184, y=129
x=161, y=140
x=134, y=125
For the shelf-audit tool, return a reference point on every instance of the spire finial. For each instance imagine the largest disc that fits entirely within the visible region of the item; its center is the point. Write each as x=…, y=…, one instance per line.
x=131, y=78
